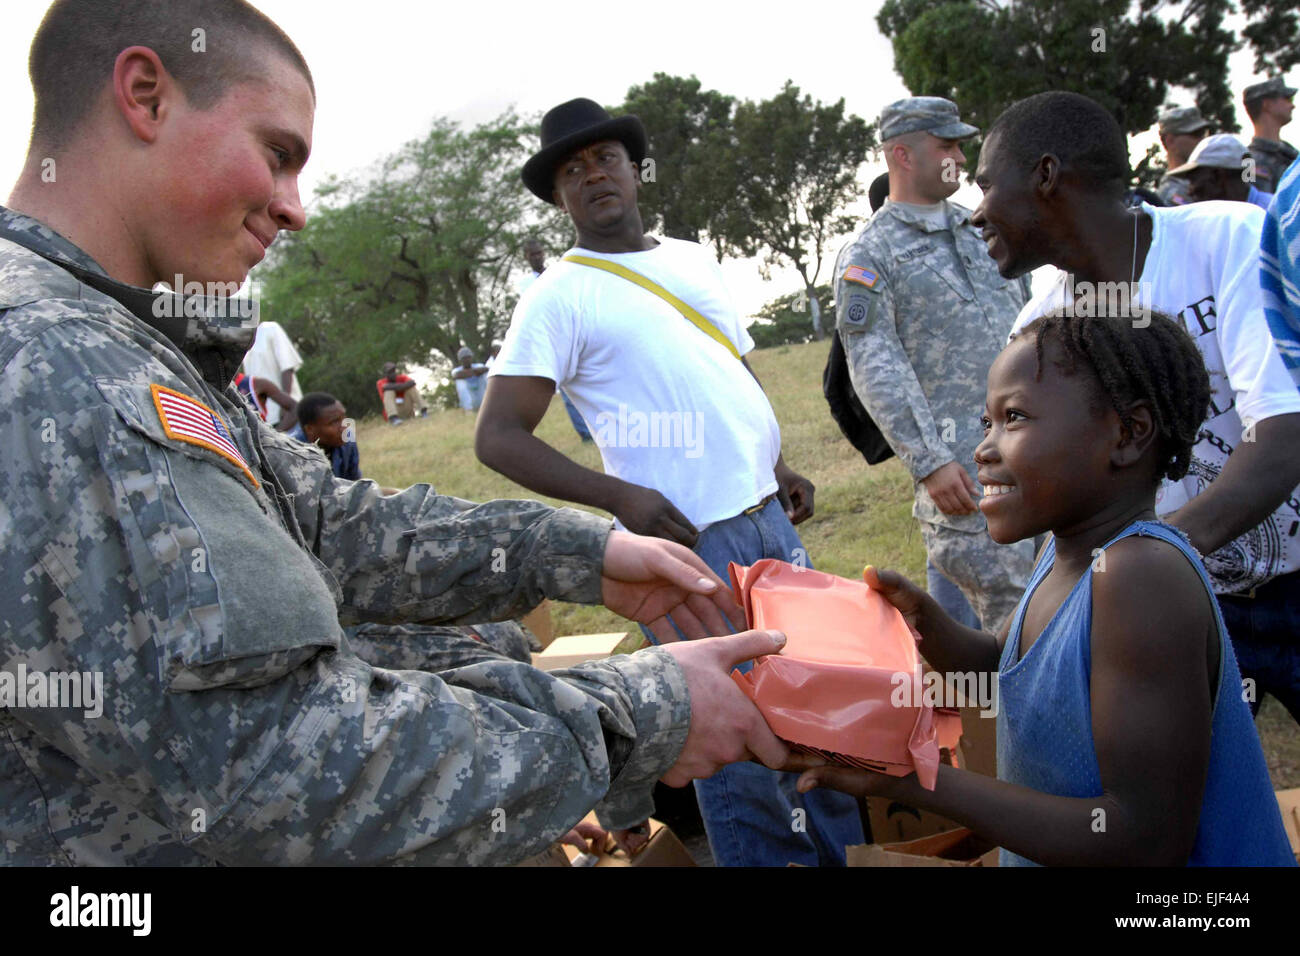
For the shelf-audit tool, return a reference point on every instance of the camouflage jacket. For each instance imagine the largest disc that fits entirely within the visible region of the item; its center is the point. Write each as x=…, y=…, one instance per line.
x=1272, y=158
x=922, y=313
x=1172, y=190
x=204, y=568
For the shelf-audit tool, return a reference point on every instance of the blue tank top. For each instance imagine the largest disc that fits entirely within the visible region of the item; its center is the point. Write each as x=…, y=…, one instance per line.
x=1044, y=725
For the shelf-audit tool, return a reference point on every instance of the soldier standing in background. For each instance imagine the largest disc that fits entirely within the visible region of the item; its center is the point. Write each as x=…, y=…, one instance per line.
x=922, y=313
x=1269, y=105
x=1180, y=130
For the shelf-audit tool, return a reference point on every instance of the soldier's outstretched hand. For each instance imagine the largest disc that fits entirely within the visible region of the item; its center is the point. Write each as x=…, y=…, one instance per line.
x=646, y=579
x=725, y=724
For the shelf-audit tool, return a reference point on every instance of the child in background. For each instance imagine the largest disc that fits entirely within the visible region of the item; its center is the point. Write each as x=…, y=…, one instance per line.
x=1123, y=735
x=323, y=420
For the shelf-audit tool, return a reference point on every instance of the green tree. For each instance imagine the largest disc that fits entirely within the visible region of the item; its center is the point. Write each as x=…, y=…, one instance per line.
x=783, y=180
x=410, y=262
x=984, y=54
x=785, y=320
x=685, y=126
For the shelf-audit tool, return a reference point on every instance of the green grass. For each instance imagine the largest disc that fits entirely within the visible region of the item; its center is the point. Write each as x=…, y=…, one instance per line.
x=863, y=514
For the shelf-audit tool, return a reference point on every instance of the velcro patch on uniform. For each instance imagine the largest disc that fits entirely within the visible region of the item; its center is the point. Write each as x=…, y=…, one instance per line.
x=189, y=420
x=863, y=277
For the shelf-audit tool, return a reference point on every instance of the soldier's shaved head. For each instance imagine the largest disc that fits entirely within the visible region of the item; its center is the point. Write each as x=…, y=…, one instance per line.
x=78, y=41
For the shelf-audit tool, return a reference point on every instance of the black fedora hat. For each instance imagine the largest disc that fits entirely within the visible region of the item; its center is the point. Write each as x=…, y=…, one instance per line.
x=571, y=126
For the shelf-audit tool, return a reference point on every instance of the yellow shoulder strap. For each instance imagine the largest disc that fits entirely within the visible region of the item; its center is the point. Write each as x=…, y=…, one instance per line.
x=699, y=321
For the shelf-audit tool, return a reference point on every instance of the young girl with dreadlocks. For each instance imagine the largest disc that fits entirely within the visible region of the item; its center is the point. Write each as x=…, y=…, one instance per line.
x=1123, y=735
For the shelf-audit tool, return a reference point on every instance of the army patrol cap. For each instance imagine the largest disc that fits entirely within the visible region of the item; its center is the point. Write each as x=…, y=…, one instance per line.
x=1274, y=86
x=1220, y=151
x=1184, y=119
x=924, y=114
x=464, y=353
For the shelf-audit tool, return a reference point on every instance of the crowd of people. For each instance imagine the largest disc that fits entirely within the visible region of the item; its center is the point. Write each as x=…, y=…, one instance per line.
x=303, y=667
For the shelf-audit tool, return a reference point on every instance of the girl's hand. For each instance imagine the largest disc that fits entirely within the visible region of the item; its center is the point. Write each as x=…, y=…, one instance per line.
x=900, y=592
x=860, y=783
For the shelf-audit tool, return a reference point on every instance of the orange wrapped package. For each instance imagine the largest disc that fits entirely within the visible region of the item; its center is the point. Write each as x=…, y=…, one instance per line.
x=848, y=683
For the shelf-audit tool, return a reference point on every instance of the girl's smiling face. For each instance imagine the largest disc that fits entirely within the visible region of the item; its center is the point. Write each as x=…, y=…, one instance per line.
x=1045, y=459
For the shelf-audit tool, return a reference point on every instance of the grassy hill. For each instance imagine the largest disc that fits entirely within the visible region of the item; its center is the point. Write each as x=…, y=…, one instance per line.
x=863, y=514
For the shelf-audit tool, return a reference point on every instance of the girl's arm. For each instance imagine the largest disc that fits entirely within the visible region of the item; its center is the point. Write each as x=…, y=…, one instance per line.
x=1151, y=712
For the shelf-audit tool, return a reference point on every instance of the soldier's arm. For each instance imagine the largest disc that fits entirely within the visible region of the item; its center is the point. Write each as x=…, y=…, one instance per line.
x=421, y=556
x=234, y=713
x=881, y=371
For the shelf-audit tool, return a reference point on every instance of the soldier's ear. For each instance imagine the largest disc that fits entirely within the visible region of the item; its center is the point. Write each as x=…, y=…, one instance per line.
x=142, y=91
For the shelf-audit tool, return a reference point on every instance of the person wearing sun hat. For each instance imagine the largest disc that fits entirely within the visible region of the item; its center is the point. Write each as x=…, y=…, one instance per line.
x=689, y=442
x=1221, y=167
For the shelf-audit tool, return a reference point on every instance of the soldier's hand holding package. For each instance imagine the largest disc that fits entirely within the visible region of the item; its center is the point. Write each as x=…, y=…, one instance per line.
x=645, y=579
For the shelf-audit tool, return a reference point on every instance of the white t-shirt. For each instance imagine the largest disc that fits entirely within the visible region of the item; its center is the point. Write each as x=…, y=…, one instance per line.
x=470, y=391
x=271, y=354
x=670, y=408
x=1203, y=268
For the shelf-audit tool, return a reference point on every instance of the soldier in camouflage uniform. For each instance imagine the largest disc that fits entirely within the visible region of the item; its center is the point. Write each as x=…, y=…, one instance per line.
x=1180, y=130
x=1269, y=106
x=922, y=313
x=151, y=526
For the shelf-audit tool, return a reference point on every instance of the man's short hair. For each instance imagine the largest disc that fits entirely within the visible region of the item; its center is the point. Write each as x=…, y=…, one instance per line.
x=312, y=406
x=1078, y=131
x=1254, y=108
x=77, y=43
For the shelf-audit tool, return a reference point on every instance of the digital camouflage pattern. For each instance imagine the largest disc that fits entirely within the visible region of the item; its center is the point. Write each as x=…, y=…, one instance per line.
x=241, y=723
x=922, y=313
x=1173, y=190
x=1271, y=160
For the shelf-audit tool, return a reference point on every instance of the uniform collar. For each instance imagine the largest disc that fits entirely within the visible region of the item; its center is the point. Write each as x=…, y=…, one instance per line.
x=1274, y=146
x=957, y=215
x=214, y=332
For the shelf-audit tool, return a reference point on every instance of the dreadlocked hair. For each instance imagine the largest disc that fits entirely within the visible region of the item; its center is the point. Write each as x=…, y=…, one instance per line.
x=1157, y=364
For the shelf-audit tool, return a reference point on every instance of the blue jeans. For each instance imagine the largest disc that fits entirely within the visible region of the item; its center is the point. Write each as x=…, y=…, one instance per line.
x=949, y=597
x=1265, y=632
x=749, y=811
x=575, y=417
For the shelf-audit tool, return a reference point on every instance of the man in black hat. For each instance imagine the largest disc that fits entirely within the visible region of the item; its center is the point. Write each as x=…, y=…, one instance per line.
x=1269, y=105
x=645, y=339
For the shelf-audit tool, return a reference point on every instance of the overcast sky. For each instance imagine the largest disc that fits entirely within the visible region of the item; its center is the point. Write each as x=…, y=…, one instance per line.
x=385, y=68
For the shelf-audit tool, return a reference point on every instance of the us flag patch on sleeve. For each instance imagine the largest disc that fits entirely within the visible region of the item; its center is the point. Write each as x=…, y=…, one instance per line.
x=189, y=420
x=861, y=276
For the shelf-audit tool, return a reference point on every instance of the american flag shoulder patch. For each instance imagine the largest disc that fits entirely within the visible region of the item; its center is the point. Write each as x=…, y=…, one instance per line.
x=189, y=420
x=861, y=276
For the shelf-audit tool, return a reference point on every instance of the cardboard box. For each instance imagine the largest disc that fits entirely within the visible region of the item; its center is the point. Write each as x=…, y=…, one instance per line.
x=979, y=745
x=894, y=822
x=957, y=847
x=663, y=849
x=538, y=620
x=1288, y=802
x=577, y=649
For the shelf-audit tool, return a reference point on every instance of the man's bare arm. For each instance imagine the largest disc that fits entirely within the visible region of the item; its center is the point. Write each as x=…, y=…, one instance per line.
x=504, y=441
x=1258, y=476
